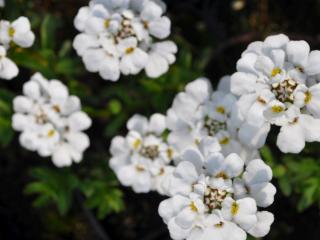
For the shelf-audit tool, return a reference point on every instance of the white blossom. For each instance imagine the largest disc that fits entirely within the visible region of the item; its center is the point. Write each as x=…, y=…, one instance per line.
x=142, y=159
x=277, y=85
x=205, y=202
x=18, y=32
x=199, y=112
x=124, y=37
x=51, y=121
x=8, y=69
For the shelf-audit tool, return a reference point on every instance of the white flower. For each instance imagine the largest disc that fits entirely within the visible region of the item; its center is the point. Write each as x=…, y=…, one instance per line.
x=8, y=69
x=50, y=121
x=276, y=84
x=122, y=37
x=199, y=112
x=161, y=55
x=213, y=197
x=2, y=3
x=255, y=183
x=243, y=212
x=142, y=159
x=19, y=32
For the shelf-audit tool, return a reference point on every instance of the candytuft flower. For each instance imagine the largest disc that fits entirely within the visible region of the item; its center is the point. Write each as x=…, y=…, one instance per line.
x=142, y=159
x=277, y=84
x=124, y=37
x=200, y=112
x=18, y=32
x=51, y=121
x=8, y=69
x=205, y=202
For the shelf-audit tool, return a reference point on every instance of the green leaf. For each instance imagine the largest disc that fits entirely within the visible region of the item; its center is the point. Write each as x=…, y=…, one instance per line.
x=47, y=31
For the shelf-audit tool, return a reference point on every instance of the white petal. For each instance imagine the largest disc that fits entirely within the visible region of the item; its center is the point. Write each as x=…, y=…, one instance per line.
x=286, y=136
x=313, y=65
x=79, y=121
x=243, y=83
x=254, y=136
x=22, y=104
x=262, y=228
x=200, y=89
x=233, y=165
x=138, y=123
x=225, y=84
x=31, y=89
x=160, y=28
x=311, y=127
x=8, y=69
x=109, y=69
x=157, y=123
x=61, y=157
x=298, y=52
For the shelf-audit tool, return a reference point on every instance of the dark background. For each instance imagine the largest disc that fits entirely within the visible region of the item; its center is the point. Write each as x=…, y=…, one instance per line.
x=210, y=28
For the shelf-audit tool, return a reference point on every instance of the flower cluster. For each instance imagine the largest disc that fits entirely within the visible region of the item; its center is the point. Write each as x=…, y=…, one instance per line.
x=51, y=121
x=142, y=158
x=217, y=197
x=123, y=37
x=18, y=32
x=277, y=81
x=199, y=112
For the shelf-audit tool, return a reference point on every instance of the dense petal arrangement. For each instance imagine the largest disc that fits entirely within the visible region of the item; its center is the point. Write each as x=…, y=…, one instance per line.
x=142, y=159
x=217, y=197
x=124, y=37
x=51, y=121
x=277, y=81
x=200, y=112
x=18, y=32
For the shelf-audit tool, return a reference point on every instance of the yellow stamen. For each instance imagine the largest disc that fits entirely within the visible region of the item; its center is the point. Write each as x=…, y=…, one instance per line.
x=51, y=133
x=277, y=109
x=56, y=108
x=170, y=153
x=107, y=23
x=224, y=141
x=308, y=97
x=220, y=109
x=140, y=168
x=219, y=225
x=11, y=32
x=136, y=144
x=275, y=72
x=193, y=207
x=234, y=209
x=197, y=141
x=222, y=175
x=129, y=50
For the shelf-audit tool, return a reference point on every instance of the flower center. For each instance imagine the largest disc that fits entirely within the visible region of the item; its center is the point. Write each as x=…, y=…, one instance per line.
x=234, y=209
x=107, y=23
x=308, y=97
x=275, y=72
x=213, y=198
x=51, y=133
x=151, y=151
x=214, y=126
x=284, y=91
x=11, y=32
x=129, y=50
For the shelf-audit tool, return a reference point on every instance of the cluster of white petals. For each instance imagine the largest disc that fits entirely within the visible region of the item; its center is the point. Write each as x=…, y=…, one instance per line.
x=124, y=37
x=200, y=112
x=19, y=33
x=277, y=81
x=217, y=197
x=51, y=121
x=142, y=158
